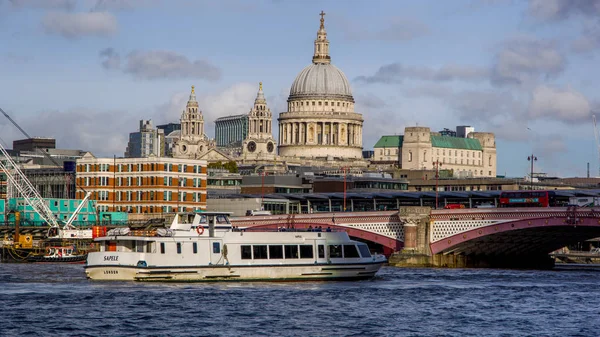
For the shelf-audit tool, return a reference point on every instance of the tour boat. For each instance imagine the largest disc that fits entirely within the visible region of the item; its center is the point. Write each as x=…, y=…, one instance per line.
x=205, y=247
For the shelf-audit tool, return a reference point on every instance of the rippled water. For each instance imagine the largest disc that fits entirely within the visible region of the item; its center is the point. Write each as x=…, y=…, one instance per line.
x=57, y=300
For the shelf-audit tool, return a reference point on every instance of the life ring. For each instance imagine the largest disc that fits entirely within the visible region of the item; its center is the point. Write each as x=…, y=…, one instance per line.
x=200, y=230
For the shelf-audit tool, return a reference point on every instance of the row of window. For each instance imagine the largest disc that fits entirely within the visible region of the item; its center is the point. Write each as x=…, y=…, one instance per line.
x=138, y=167
x=320, y=103
x=277, y=252
x=141, y=181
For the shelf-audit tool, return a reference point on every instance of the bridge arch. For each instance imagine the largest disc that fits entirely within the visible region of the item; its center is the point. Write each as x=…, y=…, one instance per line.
x=521, y=237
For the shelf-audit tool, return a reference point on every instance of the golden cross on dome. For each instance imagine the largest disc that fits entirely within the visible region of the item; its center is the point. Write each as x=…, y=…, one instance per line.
x=322, y=16
x=260, y=86
x=192, y=89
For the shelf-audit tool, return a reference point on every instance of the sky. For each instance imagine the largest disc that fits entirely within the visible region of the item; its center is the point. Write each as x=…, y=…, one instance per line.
x=86, y=72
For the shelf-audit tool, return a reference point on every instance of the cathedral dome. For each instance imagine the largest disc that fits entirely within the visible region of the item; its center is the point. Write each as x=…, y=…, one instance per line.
x=323, y=80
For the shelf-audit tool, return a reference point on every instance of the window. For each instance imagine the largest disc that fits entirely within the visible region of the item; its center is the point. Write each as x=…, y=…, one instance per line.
x=178, y=247
x=335, y=251
x=246, y=252
x=216, y=247
x=276, y=252
x=321, y=249
x=364, y=251
x=260, y=251
x=306, y=251
x=162, y=247
x=350, y=251
x=195, y=247
x=291, y=251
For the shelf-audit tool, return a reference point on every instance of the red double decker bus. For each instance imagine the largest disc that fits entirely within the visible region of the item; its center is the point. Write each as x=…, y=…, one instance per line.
x=527, y=199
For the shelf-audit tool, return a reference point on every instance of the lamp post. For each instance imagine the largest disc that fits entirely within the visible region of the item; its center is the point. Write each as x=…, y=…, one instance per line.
x=531, y=158
x=437, y=165
x=262, y=192
x=344, y=168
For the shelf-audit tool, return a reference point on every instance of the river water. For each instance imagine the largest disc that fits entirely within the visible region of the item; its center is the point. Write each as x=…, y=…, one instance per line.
x=57, y=300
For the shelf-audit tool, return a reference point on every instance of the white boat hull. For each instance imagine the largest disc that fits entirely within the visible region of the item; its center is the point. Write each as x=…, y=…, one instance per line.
x=237, y=273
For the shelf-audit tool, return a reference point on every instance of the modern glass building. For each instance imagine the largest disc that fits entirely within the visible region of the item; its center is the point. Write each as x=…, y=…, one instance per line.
x=231, y=130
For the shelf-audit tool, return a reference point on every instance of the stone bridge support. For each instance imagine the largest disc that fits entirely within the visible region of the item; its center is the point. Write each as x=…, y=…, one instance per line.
x=416, y=251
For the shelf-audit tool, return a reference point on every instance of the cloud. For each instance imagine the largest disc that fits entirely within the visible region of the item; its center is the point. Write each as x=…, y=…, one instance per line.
x=111, y=59
x=396, y=29
x=120, y=5
x=233, y=100
x=555, y=10
x=370, y=101
x=396, y=73
x=590, y=38
x=16, y=58
x=525, y=59
x=151, y=65
x=567, y=105
x=549, y=146
x=45, y=4
x=76, y=25
x=484, y=106
x=88, y=129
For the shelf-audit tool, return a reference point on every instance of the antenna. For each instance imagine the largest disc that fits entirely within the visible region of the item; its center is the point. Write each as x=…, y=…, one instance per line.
x=597, y=141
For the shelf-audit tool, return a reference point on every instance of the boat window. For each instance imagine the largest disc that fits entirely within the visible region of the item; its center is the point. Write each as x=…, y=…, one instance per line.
x=246, y=252
x=291, y=251
x=139, y=246
x=162, y=247
x=178, y=247
x=151, y=247
x=364, y=251
x=216, y=247
x=350, y=251
x=203, y=219
x=222, y=219
x=275, y=252
x=321, y=249
x=195, y=247
x=260, y=251
x=335, y=251
x=306, y=251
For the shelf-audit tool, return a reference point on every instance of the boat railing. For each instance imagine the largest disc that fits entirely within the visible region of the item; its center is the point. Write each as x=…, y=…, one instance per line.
x=284, y=229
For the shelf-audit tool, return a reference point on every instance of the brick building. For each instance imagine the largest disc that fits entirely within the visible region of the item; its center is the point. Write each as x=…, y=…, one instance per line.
x=143, y=185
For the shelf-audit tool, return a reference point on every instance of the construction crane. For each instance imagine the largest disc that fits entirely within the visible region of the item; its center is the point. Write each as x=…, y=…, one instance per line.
x=597, y=141
x=18, y=179
x=27, y=135
x=32, y=197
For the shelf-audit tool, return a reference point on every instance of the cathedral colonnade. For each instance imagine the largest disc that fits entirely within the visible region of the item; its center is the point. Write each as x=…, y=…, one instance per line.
x=320, y=133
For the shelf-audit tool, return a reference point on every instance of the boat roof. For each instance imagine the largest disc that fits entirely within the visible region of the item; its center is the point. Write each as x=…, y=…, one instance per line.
x=207, y=213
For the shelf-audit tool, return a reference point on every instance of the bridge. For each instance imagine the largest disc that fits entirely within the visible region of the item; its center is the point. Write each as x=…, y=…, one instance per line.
x=419, y=236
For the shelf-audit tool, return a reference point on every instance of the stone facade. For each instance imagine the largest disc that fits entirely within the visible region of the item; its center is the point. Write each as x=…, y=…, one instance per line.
x=260, y=144
x=474, y=156
x=421, y=149
x=193, y=142
x=320, y=121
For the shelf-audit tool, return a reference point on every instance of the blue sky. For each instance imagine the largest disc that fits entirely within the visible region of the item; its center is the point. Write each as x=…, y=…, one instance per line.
x=85, y=72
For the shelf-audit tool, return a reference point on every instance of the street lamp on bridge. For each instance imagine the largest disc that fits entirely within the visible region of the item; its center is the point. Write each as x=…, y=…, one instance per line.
x=437, y=165
x=532, y=159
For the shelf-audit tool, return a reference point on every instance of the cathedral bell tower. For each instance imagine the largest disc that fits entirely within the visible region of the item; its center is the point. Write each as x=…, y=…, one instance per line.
x=260, y=143
x=192, y=143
